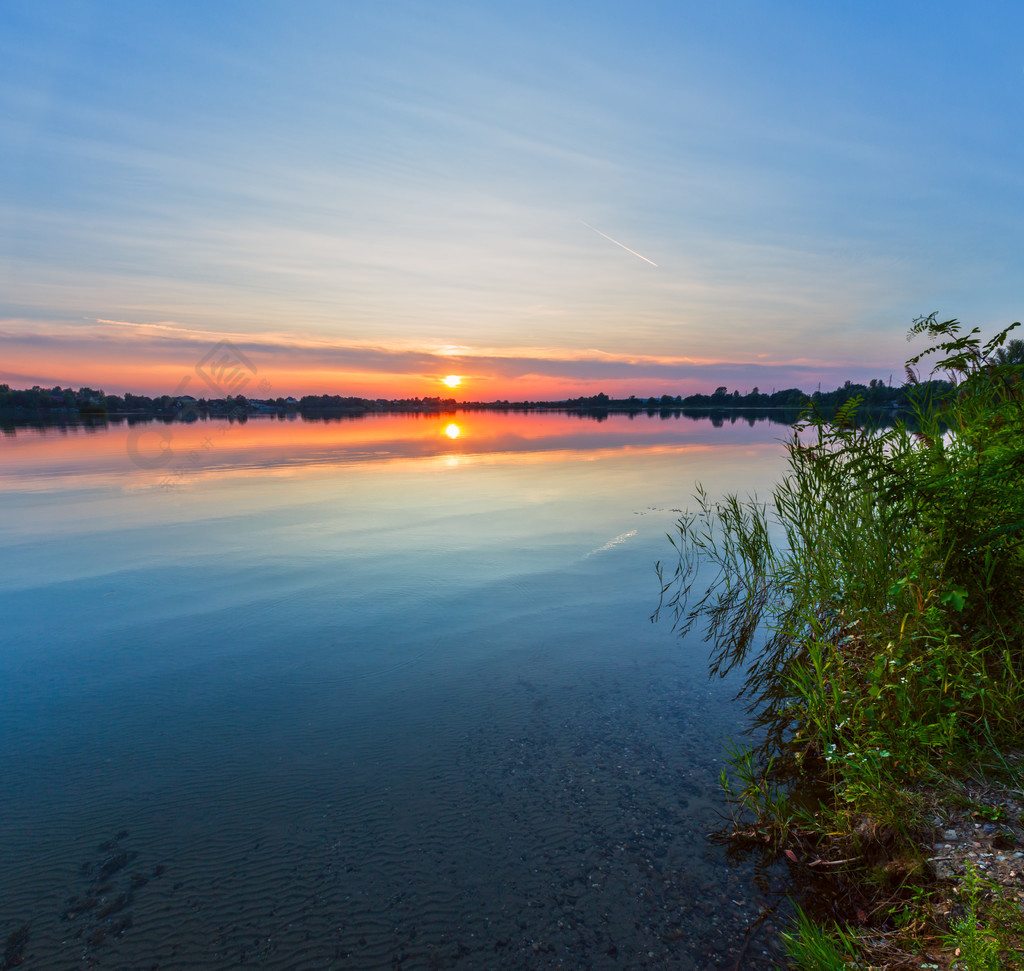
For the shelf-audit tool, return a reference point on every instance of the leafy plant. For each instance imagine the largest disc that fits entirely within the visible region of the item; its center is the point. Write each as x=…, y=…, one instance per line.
x=810, y=948
x=875, y=600
x=974, y=949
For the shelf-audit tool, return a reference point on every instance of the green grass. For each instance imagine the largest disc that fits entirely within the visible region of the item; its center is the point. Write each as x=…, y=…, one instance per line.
x=811, y=947
x=974, y=947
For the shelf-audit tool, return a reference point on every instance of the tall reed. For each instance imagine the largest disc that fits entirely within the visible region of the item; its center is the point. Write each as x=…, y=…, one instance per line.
x=875, y=600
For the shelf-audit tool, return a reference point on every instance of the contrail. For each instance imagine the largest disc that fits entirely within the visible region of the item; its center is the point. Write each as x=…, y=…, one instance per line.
x=617, y=243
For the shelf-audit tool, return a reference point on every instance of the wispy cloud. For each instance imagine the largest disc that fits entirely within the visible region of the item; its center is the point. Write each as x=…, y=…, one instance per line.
x=363, y=192
x=150, y=354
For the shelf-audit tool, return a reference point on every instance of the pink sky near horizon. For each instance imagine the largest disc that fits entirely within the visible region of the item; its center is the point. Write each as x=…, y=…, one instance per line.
x=140, y=377
x=155, y=360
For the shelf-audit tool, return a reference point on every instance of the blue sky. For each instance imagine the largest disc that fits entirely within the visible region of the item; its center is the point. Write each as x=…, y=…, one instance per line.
x=372, y=196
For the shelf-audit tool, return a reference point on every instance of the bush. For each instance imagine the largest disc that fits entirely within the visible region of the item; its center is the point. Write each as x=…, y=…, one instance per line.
x=882, y=585
x=875, y=602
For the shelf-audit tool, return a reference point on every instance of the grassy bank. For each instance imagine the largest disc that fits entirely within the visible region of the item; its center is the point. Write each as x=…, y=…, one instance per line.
x=876, y=603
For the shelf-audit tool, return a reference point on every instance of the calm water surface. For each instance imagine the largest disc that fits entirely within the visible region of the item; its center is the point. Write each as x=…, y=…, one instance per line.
x=377, y=693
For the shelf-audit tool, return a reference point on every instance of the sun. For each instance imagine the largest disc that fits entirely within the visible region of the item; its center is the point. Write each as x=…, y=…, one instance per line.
x=453, y=380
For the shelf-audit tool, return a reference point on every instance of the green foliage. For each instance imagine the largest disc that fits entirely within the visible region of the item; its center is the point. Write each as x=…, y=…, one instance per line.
x=875, y=602
x=810, y=948
x=975, y=949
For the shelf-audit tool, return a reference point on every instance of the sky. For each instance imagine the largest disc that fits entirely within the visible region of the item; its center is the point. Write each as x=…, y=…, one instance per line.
x=546, y=199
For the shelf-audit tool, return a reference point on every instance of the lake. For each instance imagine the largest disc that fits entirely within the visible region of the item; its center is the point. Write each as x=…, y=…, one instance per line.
x=370, y=693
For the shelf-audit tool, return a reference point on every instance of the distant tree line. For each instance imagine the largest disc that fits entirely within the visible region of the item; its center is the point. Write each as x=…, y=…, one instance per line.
x=327, y=405
x=877, y=395
x=67, y=404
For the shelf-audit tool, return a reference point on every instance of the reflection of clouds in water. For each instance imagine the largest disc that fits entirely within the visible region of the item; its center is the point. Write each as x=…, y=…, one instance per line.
x=268, y=446
x=621, y=538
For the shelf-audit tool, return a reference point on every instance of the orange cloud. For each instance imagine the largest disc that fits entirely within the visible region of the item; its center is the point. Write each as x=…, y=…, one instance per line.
x=165, y=358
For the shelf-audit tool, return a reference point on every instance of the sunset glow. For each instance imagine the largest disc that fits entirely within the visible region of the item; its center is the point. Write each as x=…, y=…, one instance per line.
x=381, y=387
x=210, y=449
x=763, y=220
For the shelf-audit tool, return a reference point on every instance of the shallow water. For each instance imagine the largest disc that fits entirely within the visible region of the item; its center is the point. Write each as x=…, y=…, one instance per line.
x=377, y=693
